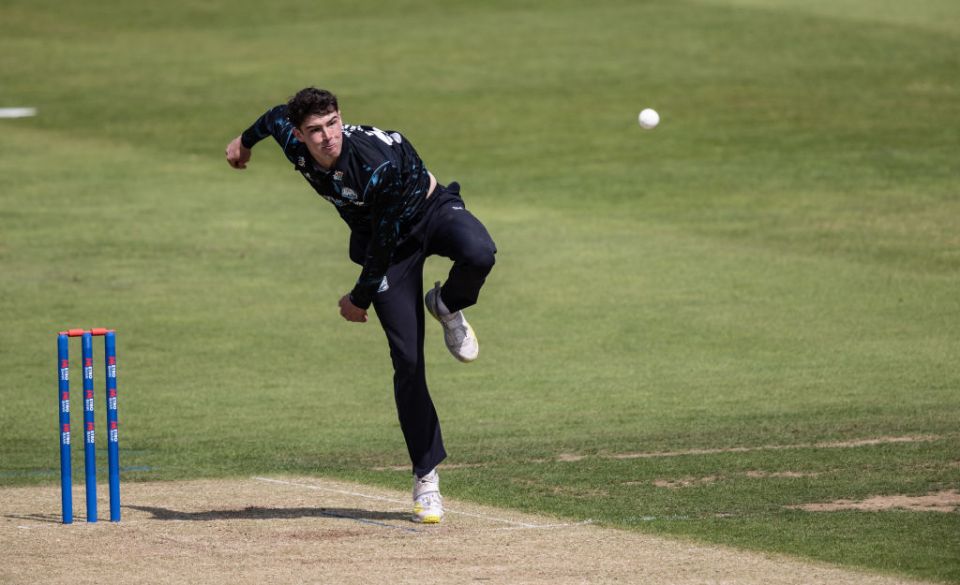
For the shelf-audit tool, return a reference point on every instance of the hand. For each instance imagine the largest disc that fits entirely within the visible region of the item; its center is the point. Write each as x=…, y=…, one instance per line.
x=351, y=312
x=238, y=155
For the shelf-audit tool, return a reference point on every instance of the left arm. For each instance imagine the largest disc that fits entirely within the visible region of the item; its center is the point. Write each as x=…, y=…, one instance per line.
x=387, y=209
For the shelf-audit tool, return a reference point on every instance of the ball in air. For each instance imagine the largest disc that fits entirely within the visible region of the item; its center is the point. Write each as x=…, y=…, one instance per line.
x=649, y=118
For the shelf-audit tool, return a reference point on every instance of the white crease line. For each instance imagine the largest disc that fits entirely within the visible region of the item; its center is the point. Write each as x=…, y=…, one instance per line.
x=402, y=502
x=323, y=489
x=484, y=516
x=547, y=526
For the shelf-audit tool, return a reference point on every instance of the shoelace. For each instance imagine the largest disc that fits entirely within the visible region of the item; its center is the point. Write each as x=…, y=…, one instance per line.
x=457, y=329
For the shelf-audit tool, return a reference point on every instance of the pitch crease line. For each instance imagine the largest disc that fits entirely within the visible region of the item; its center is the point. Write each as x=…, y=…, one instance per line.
x=393, y=501
x=548, y=526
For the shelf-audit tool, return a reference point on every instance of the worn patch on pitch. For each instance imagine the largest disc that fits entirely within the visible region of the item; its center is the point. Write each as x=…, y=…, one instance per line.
x=821, y=445
x=685, y=482
x=942, y=501
x=781, y=474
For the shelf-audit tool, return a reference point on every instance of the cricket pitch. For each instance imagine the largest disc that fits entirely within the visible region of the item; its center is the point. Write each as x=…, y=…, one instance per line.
x=309, y=530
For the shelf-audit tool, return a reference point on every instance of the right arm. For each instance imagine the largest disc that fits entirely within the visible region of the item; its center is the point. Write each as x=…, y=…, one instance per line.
x=272, y=123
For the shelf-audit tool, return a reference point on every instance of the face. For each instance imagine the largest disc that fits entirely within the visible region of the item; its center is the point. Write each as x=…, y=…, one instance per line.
x=323, y=135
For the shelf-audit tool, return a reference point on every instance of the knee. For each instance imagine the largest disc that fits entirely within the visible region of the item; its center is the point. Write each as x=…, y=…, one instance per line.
x=482, y=256
x=406, y=364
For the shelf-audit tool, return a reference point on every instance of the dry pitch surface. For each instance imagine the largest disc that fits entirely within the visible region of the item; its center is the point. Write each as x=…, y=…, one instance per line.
x=309, y=530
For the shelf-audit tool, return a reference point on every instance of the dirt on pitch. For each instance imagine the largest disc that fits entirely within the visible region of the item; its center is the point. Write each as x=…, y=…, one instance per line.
x=308, y=530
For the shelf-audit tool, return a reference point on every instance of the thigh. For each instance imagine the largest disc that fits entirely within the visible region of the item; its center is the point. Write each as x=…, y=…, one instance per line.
x=399, y=309
x=455, y=232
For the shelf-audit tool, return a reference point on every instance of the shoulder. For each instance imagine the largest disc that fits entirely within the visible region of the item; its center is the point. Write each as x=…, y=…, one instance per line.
x=372, y=135
x=277, y=116
x=373, y=148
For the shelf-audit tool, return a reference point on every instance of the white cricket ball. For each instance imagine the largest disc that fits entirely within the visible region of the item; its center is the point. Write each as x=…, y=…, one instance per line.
x=649, y=118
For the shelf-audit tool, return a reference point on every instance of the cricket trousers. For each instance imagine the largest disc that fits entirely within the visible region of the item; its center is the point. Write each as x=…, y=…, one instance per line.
x=447, y=229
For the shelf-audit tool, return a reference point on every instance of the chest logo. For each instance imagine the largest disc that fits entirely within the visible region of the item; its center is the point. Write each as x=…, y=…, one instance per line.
x=301, y=162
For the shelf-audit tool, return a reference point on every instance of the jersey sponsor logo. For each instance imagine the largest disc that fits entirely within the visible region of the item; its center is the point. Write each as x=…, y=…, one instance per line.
x=349, y=193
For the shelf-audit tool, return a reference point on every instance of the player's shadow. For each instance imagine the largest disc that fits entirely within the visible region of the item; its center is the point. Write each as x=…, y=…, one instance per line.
x=259, y=513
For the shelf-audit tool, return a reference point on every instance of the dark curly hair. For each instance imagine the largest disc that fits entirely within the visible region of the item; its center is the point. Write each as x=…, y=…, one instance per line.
x=310, y=101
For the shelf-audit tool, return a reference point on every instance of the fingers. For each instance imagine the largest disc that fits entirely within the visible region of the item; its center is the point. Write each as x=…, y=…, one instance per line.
x=351, y=312
x=354, y=317
x=236, y=162
x=237, y=155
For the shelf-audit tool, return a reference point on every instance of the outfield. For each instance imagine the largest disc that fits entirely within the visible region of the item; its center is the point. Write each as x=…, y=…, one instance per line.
x=688, y=330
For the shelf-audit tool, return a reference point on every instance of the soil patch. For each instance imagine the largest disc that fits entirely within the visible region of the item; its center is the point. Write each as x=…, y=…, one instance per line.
x=822, y=445
x=943, y=501
x=310, y=530
x=783, y=474
x=685, y=482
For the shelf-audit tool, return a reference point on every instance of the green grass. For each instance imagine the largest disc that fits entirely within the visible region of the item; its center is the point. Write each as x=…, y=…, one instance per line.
x=776, y=264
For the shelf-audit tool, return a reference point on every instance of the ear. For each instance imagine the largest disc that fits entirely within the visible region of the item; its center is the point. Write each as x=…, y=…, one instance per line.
x=297, y=134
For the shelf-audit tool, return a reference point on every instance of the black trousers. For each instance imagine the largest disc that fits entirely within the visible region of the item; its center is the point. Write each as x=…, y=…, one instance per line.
x=447, y=229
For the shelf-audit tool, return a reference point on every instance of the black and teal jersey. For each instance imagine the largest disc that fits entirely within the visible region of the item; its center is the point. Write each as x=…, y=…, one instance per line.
x=378, y=185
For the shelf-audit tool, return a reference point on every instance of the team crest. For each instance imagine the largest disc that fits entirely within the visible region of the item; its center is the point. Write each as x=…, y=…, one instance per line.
x=301, y=162
x=338, y=176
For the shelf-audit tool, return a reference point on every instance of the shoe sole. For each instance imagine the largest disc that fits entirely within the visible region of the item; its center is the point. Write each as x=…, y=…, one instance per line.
x=421, y=516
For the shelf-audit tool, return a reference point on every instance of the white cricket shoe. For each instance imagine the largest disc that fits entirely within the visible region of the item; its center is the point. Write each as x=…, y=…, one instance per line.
x=457, y=333
x=427, y=501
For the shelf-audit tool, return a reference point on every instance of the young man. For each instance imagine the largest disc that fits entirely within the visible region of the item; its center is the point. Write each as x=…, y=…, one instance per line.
x=398, y=215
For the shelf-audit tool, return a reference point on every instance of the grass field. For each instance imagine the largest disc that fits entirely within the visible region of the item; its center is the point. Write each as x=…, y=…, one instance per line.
x=777, y=264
